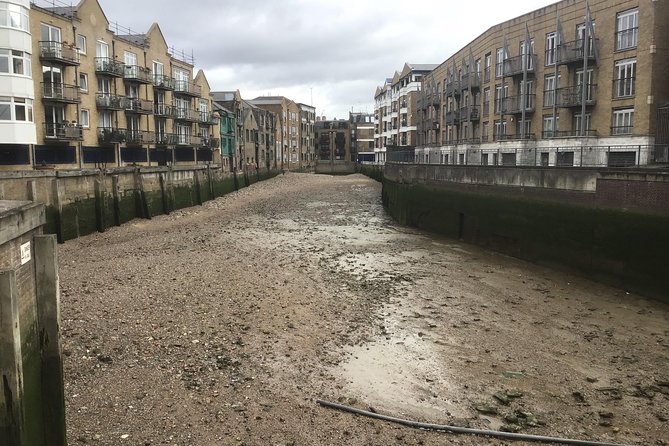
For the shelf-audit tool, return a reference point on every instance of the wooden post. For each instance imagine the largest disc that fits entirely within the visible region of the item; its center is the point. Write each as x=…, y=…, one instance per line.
x=11, y=363
x=198, y=189
x=143, y=205
x=48, y=322
x=100, y=205
x=58, y=205
x=212, y=192
x=116, y=192
x=163, y=194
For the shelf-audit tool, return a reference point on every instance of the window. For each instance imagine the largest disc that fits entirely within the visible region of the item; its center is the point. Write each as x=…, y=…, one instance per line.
x=104, y=85
x=49, y=33
x=488, y=65
x=589, y=83
x=499, y=67
x=484, y=131
x=16, y=109
x=499, y=130
x=627, y=29
x=83, y=81
x=551, y=49
x=550, y=85
x=623, y=121
x=550, y=126
x=14, y=16
x=624, y=78
x=578, y=122
x=527, y=57
x=15, y=62
x=501, y=92
x=101, y=49
x=81, y=44
x=84, y=118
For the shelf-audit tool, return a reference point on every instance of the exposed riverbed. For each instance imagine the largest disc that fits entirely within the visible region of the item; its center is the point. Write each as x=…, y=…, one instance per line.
x=221, y=324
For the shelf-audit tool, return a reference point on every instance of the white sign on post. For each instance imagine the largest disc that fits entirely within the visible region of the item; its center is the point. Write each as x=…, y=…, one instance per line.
x=25, y=253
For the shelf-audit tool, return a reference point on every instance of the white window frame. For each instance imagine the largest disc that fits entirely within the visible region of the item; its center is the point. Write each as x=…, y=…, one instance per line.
x=14, y=16
x=622, y=121
x=85, y=118
x=624, y=78
x=12, y=57
x=81, y=44
x=11, y=104
x=627, y=29
x=551, y=49
x=85, y=77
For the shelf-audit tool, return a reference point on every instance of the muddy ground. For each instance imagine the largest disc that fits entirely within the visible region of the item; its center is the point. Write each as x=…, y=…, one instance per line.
x=221, y=325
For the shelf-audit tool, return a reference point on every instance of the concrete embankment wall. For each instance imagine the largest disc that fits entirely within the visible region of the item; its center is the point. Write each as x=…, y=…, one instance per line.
x=84, y=201
x=612, y=226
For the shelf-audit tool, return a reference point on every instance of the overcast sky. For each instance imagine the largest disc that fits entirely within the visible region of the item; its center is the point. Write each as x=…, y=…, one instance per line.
x=336, y=52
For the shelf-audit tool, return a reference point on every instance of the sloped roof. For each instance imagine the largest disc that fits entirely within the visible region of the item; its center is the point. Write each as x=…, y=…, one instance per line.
x=137, y=39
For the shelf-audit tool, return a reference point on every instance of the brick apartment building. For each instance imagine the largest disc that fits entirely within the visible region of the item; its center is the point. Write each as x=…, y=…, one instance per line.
x=103, y=98
x=570, y=84
x=395, y=117
x=362, y=136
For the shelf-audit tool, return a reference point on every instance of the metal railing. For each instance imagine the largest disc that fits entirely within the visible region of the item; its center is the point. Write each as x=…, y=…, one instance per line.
x=59, y=52
x=187, y=88
x=573, y=52
x=110, y=101
x=470, y=113
x=515, y=105
x=556, y=156
x=186, y=114
x=109, y=66
x=61, y=131
x=161, y=109
x=161, y=81
x=514, y=66
x=60, y=92
x=573, y=96
x=139, y=74
x=141, y=106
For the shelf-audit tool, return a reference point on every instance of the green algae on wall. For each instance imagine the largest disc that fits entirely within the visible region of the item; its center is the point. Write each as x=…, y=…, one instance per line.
x=623, y=248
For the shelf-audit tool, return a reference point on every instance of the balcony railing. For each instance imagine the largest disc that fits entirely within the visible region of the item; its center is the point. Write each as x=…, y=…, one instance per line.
x=60, y=131
x=139, y=137
x=186, y=114
x=209, y=142
x=470, y=80
x=622, y=130
x=135, y=73
x=109, y=67
x=59, y=52
x=515, y=66
x=452, y=88
x=514, y=104
x=110, y=135
x=547, y=134
x=60, y=92
x=451, y=117
x=186, y=140
x=165, y=139
x=187, y=88
x=470, y=113
x=573, y=52
x=208, y=118
x=163, y=110
x=573, y=96
x=141, y=106
x=108, y=101
x=163, y=82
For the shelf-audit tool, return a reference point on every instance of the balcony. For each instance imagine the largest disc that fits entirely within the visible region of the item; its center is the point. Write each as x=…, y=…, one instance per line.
x=55, y=92
x=451, y=117
x=208, y=118
x=162, y=82
x=108, y=67
x=515, y=66
x=165, y=139
x=573, y=96
x=58, y=52
x=110, y=135
x=139, y=106
x=470, y=113
x=573, y=52
x=61, y=131
x=135, y=73
x=105, y=101
x=547, y=134
x=452, y=88
x=186, y=114
x=187, y=88
x=163, y=110
x=138, y=137
x=209, y=142
x=186, y=140
x=470, y=81
x=513, y=105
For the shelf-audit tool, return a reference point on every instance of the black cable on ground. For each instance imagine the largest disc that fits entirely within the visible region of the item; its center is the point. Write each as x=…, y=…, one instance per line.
x=465, y=430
